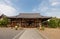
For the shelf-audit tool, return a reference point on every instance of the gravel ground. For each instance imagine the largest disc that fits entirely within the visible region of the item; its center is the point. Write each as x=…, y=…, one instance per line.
x=51, y=33
x=8, y=33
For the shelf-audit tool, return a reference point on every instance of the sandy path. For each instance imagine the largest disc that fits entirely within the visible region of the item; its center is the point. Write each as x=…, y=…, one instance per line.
x=51, y=33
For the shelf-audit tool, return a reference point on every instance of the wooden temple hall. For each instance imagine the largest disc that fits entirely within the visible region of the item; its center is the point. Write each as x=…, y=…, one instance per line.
x=27, y=20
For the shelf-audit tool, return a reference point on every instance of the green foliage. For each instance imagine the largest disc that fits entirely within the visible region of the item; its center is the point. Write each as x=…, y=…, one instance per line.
x=59, y=24
x=53, y=23
x=4, y=21
x=43, y=28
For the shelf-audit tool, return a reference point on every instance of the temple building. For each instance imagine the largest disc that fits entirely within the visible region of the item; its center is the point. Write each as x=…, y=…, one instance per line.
x=27, y=19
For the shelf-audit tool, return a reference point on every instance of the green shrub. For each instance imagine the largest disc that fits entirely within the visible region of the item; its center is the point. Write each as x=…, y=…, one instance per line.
x=43, y=28
x=4, y=22
x=53, y=23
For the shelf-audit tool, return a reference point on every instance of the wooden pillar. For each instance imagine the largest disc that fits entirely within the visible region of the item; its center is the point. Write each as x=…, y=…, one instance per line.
x=40, y=24
x=34, y=23
x=21, y=22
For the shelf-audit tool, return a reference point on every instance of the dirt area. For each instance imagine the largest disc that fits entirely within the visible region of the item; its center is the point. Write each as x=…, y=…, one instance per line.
x=51, y=33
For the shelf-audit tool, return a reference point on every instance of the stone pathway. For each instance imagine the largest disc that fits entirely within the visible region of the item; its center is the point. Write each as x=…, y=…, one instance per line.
x=30, y=34
x=8, y=33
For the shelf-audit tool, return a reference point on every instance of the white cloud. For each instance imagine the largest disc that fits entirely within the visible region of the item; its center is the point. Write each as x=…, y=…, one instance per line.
x=54, y=14
x=7, y=8
x=54, y=0
x=55, y=3
x=8, y=2
x=49, y=8
x=42, y=7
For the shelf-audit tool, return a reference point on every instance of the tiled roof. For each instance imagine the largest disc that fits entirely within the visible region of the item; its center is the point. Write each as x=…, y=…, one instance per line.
x=29, y=15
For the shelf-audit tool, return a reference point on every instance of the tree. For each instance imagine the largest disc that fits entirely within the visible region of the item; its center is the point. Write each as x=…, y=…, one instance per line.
x=59, y=23
x=4, y=21
x=53, y=23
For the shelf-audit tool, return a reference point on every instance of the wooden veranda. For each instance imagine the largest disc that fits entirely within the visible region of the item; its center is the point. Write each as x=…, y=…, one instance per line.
x=27, y=20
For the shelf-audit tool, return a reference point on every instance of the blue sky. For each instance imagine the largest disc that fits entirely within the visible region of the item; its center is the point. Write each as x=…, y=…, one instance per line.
x=44, y=7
